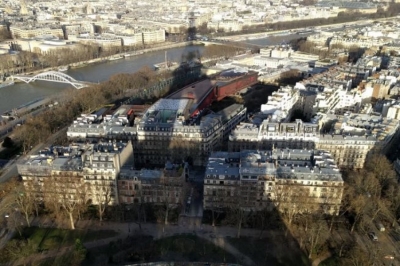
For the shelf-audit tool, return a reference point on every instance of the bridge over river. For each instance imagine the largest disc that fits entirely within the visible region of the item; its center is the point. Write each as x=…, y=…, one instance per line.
x=53, y=76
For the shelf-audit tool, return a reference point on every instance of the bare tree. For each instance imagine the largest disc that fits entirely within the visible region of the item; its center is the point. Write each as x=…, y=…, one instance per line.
x=266, y=217
x=67, y=193
x=15, y=221
x=317, y=234
x=25, y=203
x=215, y=213
x=358, y=207
x=291, y=198
x=102, y=199
x=238, y=216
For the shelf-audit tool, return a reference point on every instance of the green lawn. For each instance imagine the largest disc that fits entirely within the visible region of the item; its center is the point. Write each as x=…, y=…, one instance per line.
x=183, y=248
x=190, y=248
x=63, y=260
x=51, y=238
x=42, y=239
x=331, y=261
x=270, y=251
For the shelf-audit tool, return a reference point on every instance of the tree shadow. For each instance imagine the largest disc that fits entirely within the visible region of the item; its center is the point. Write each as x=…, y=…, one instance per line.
x=264, y=236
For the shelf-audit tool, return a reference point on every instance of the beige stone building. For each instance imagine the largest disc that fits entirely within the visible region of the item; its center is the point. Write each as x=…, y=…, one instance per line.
x=350, y=138
x=292, y=180
x=153, y=36
x=76, y=171
x=159, y=187
x=25, y=32
x=273, y=134
x=101, y=166
x=168, y=131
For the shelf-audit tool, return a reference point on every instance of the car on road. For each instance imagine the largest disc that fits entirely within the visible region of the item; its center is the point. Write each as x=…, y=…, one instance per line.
x=389, y=257
x=373, y=236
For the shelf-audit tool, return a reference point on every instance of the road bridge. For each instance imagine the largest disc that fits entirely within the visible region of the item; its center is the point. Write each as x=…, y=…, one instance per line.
x=238, y=44
x=53, y=76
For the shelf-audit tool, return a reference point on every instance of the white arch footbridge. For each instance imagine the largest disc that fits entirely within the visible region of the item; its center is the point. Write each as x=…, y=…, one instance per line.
x=54, y=76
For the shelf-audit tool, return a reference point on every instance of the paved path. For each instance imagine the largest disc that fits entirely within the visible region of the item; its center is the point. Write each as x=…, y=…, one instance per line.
x=318, y=260
x=216, y=235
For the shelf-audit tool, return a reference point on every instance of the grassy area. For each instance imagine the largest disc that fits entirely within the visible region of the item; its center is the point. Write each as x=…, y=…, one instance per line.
x=274, y=251
x=35, y=240
x=190, y=248
x=53, y=238
x=331, y=261
x=139, y=249
x=63, y=260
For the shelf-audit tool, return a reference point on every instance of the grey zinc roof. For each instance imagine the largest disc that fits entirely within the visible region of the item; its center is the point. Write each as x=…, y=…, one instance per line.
x=284, y=164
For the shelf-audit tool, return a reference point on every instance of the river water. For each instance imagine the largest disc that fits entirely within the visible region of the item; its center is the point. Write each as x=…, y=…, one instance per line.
x=21, y=93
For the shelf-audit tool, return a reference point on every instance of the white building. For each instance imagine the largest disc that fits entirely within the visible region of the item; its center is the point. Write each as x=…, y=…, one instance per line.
x=283, y=100
x=269, y=62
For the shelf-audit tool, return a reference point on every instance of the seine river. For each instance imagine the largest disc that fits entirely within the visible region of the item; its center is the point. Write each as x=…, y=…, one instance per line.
x=21, y=93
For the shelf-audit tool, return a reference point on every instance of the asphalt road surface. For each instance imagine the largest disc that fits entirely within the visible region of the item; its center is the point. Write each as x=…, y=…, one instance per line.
x=11, y=170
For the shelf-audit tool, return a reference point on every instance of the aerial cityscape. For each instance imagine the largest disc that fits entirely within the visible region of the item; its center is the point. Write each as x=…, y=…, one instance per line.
x=200, y=132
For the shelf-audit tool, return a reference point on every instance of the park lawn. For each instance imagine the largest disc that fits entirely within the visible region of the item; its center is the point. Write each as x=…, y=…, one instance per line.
x=189, y=247
x=182, y=248
x=331, y=261
x=52, y=238
x=267, y=251
x=63, y=260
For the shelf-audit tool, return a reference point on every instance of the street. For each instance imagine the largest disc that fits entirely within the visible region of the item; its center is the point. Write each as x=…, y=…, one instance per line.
x=11, y=170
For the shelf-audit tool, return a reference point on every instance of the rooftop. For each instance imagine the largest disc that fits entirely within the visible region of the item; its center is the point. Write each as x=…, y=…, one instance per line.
x=66, y=158
x=167, y=111
x=283, y=164
x=140, y=174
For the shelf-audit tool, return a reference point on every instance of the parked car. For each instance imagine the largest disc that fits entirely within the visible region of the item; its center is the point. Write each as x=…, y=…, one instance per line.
x=380, y=226
x=373, y=236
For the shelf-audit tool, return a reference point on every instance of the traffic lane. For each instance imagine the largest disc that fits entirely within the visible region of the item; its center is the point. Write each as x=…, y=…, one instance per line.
x=11, y=125
x=12, y=170
x=382, y=250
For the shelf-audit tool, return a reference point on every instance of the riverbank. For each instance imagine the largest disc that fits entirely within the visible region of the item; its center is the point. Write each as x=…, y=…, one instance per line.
x=131, y=54
x=266, y=34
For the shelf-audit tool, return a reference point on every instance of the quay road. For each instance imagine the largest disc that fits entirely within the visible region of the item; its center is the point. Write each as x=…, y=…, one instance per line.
x=251, y=37
x=10, y=170
x=9, y=127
